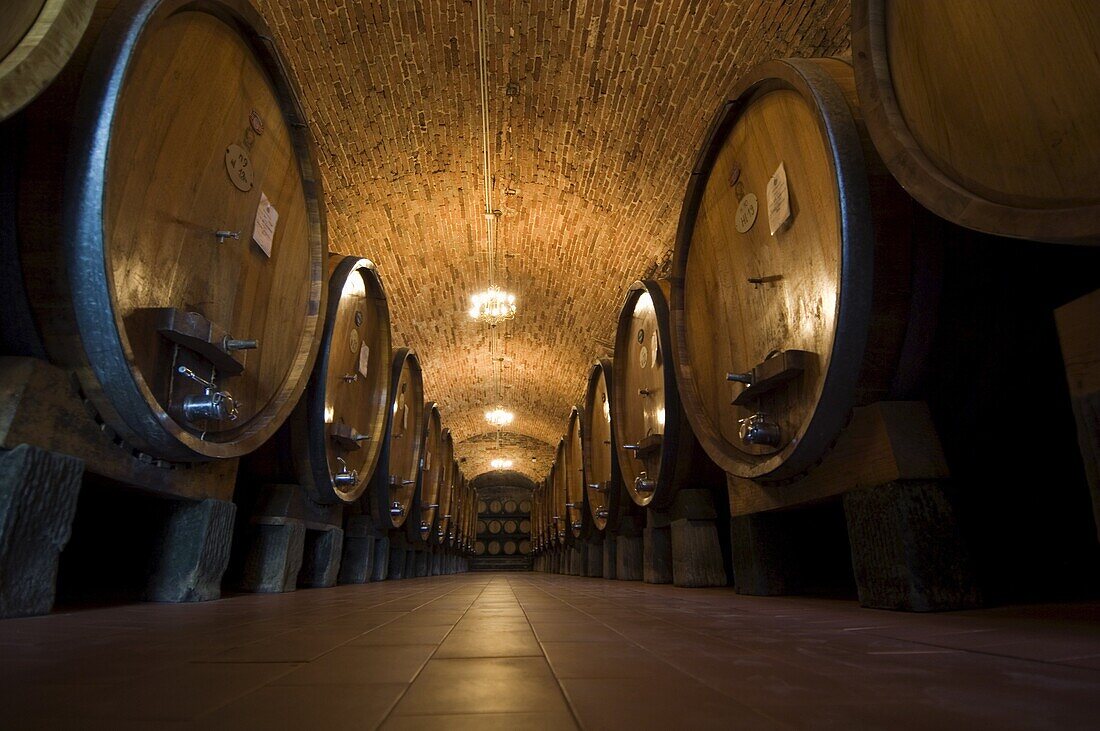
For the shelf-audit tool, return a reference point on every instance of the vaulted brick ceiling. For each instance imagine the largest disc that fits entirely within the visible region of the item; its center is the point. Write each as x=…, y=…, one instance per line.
x=596, y=111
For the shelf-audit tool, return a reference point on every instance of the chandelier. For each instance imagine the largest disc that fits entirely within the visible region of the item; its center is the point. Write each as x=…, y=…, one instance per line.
x=499, y=418
x=501, y=464
x=493, y=306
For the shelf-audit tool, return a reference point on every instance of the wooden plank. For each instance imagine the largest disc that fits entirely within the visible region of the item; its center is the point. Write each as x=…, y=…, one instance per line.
x=39, y=405
x=1079, y=332
x=884, y=442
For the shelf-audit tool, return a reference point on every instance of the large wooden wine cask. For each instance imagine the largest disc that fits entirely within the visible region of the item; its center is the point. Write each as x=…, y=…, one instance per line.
x=986, y=111
x=394, y=483
x=577, y=519
x=446, y=488
x=330, y=444
x=170, y=230
x=538, y=514
x=560, y=490
x=430, y=477
x=338, y=428
x=654, y=445
x=606, y=497
x=37, y=38
x=778, y=336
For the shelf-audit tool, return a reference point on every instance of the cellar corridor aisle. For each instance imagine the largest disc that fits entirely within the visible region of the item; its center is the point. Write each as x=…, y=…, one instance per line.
x=510, y=651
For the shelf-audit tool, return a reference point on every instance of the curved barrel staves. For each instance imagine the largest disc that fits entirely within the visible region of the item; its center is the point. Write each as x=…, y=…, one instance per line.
x=337, y=431
x=577, y=519
x=393, y=485
x=37, y=39
x=441, y=526
x=605, y=495
x=190, y=243
x=986, y=112
x=779, y=335
x=654, y=445
x=430, y=477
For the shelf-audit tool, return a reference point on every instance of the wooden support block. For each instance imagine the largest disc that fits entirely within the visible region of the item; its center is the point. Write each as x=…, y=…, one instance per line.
x=629, y=558
x=381, y=558
x=610, y=557
x=324, y=547
x=766, y=560
x=357, y=563
x=275, y=549
x=41, y=405
x=887, y=441
x=192, y=552
x=657, y=547
x=594, y=567
x=697, y=559
x=906, y=550
x=1079, y=332
x=410, y=564
x=696, y=554
x=398, y=549
x=577, y=559
x=275, y=540
x=38, y=496
x=421, y=567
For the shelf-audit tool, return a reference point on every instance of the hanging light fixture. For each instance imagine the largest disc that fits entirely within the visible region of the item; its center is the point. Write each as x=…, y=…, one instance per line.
x=492, y=306
x=501, y=464
x=499, y=417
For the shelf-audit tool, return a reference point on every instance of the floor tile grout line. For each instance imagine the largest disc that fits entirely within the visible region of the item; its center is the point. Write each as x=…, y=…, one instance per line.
x=701, y=681
x=716, y=635
x=561, y=688
x=409, y=685
x=323, y=654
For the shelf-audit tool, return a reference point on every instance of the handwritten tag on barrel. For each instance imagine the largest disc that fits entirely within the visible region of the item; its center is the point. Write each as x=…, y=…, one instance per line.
x=779, y=202
x=263, y=232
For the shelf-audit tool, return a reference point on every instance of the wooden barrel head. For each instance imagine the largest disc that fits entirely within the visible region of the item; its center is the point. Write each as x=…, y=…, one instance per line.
x=645, y=405
x=987, y=111
x=446, y=489
x=559, y=515
x=431, y=471
x=349, y=394
x=37, y=39
x=394, y=481
x=193, y=225
x=603, y=484
x=787, y=312
x=576, y=517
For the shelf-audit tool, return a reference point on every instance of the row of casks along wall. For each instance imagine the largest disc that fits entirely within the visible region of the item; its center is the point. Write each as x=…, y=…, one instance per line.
x=861, y=316
x=170, y=307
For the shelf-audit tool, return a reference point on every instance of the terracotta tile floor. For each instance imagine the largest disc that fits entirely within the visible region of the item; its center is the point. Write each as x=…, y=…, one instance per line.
x=515, y=651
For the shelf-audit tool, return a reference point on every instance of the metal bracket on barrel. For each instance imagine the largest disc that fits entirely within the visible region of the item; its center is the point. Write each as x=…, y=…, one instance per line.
x=346, y=436
x=778, y=368
x=208, y=339
x=646, y=446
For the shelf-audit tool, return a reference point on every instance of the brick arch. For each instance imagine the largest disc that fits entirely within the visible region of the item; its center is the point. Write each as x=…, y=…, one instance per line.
x=597, y=109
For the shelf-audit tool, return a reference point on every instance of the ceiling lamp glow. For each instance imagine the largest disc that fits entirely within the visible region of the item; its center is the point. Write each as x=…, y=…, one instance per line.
x=493, y=306
x=499, y=418
x=501, y=464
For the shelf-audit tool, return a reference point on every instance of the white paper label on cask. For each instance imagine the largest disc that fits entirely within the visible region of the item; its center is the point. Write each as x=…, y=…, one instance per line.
x=364, y=359
x=779, y=202
x=263, y=232
x=746, y=213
